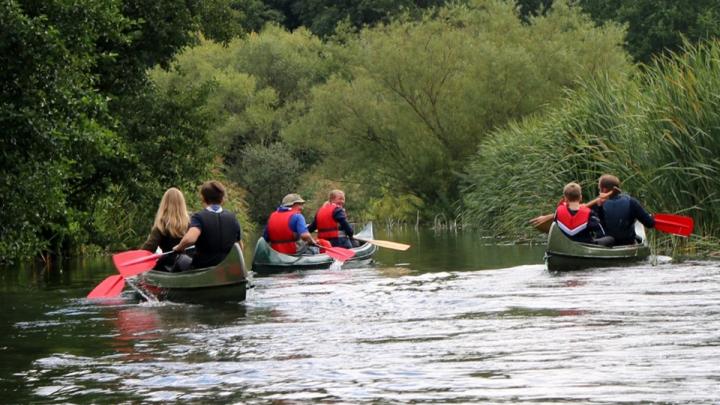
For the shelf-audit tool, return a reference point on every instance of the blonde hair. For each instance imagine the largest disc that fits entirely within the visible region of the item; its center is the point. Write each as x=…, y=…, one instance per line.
x=334, y=193
x=572, y=192
x=172, y=216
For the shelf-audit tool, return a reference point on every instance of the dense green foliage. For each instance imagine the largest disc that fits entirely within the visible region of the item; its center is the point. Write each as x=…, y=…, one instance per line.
x=87, y=141
x=261, y=83
x=657, y=132
x=421, y=95
x=654, y=26
x=323, y=16
x=106, y=103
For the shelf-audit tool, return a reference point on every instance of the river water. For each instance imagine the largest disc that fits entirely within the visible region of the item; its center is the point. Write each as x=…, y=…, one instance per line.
x=456, y=319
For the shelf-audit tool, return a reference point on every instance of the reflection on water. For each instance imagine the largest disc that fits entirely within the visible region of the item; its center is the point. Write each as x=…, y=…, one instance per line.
x=452, y=321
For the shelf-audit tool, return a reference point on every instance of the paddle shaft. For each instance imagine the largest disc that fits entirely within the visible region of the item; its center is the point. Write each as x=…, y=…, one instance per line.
x=386, y=244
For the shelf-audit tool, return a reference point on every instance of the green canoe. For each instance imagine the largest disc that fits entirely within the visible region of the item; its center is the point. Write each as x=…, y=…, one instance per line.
x=228, y=281
x=266, y=260
x=563, y=254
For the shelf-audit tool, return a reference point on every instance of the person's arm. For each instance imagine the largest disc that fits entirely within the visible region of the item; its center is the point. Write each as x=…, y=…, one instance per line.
x=313, y=226
x=339, y=216
x=299, y=226
x=153, y=240
x=640, y=214
x=595, y=226
x=541, y=220
x=602, y=197
x=191, y=236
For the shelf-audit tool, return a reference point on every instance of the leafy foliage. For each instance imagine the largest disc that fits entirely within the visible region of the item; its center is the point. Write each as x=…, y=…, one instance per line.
x=423, y=94
x=268, y=173
x=657, y=132
x=77, y=112
x=323, y=16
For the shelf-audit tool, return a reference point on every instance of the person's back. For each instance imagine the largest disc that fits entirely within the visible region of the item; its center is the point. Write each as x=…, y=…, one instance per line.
x=575, y=220
x=213, y=230
x=286, y=229
x=171, y=223
x=619, y=213
x=220, y=231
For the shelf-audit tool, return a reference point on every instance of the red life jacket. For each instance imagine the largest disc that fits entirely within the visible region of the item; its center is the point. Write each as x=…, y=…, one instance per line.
x=571, y=224
x=327, y=227
x=282, y=238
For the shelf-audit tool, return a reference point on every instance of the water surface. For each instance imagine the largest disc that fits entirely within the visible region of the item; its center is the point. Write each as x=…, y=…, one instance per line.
x=456, y=319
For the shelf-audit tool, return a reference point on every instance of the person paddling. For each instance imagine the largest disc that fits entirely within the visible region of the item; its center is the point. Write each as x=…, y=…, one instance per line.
x=286, y=229
x=331, y=221
x=213, y=230
x=619, y=212
x=171, y=223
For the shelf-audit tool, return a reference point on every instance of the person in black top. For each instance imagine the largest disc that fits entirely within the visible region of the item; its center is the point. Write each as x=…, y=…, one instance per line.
x=171, y=223
x=213, y=230
x=619, y=212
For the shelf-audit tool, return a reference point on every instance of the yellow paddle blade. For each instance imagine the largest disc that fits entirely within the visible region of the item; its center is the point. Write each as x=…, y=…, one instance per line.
x=387, y=244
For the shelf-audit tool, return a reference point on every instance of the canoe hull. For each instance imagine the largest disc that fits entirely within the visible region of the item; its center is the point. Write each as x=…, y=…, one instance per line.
x=228, y=281
x=269, y=261
x=563, y=254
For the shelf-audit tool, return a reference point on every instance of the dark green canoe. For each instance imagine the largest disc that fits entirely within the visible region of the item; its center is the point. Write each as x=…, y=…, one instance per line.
x=266, y=260
x=228, y=281
x=563, y=254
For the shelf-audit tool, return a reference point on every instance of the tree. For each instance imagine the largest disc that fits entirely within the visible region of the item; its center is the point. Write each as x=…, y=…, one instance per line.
x=423, y=94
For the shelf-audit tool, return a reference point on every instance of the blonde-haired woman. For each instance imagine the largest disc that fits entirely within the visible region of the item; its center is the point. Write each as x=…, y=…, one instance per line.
x=171, y=223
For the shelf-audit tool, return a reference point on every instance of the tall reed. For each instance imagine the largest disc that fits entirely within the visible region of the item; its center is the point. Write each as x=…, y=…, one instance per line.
x=659, y=132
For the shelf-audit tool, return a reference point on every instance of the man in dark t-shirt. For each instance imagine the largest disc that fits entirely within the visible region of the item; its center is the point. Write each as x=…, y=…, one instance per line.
x=213, y=230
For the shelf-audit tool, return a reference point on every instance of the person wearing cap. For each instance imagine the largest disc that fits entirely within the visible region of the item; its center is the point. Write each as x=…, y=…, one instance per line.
x=213, y=230
x=331, y=221
x=286, y=229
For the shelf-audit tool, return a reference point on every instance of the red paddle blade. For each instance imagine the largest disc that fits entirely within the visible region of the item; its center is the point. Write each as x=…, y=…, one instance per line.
x=134, y=262
x=674, y=224
x=109, y=288
x=338, y=253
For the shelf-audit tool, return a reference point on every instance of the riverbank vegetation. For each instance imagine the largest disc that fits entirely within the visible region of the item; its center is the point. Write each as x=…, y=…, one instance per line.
x=474, y=112
x=657, y=130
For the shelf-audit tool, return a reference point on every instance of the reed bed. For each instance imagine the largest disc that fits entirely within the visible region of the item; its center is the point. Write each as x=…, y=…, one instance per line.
x=659, y=131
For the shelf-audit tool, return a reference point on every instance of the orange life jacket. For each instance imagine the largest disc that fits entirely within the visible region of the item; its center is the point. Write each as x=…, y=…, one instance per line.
x=327, y=227
x=571, y=224
x=282, y=238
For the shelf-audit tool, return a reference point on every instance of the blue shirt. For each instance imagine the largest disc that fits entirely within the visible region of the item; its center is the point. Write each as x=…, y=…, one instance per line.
x=297, y=223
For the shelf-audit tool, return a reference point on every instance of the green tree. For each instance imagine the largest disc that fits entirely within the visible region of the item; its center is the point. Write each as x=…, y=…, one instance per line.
x=267, y=173
x=655, y=26
x=323, y=16
x=423, y=94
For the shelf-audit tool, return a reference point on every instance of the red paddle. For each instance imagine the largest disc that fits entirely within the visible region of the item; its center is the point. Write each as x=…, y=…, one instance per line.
x=134, y=262
x=338, y=253
x=109, y=288
x=674, y=224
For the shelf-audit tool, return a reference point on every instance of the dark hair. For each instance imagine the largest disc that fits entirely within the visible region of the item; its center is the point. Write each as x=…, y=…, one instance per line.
x=212, y=192
x=608, y=182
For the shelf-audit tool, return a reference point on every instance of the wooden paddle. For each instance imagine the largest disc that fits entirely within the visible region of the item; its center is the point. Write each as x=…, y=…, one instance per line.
x=394, y=245
x=108, y=288
x=674, y=224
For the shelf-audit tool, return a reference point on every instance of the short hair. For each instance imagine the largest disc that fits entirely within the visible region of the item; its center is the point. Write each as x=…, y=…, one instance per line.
x=572, y=192
x=334, y=193
x=608, y=182
x=212, y=192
